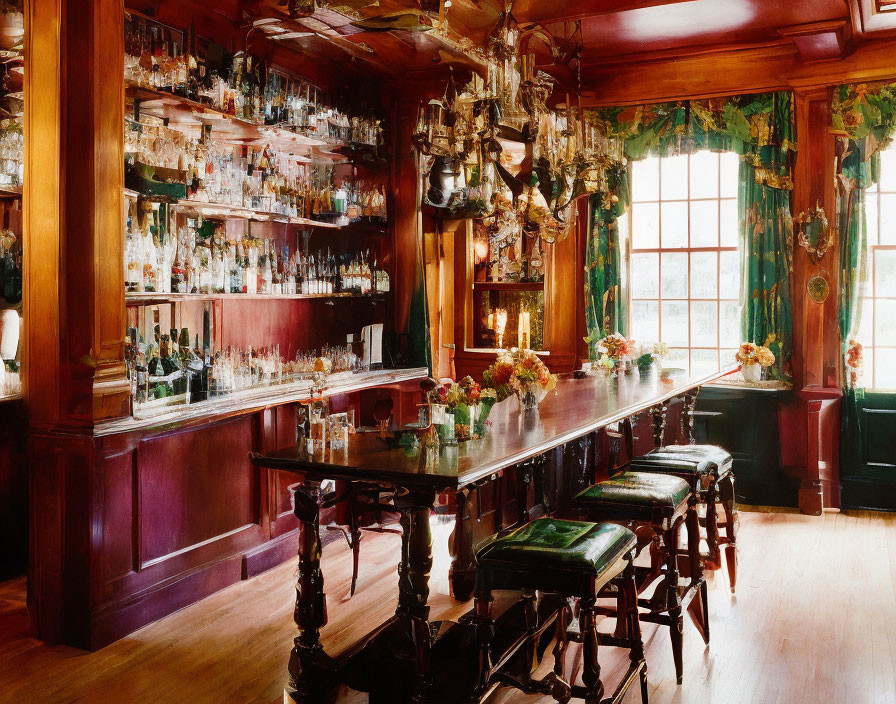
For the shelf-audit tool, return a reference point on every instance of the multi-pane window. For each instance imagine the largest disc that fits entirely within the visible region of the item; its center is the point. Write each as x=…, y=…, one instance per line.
x=878, y=325
x=684, y=273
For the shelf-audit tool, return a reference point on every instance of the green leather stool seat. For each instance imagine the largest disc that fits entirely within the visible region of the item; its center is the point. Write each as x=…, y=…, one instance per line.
x=687, y=461
x=638, y=489
x=571, y=557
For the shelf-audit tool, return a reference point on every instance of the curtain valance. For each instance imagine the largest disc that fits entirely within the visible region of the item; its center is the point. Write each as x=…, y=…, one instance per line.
x=759, y=127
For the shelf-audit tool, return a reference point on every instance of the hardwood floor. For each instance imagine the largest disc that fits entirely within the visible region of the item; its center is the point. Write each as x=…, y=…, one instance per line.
x=814, y=620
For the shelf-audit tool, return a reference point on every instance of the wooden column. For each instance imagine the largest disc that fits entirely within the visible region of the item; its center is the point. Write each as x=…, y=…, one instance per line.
x=813, y=419
x=816, y=343
x=74, y=289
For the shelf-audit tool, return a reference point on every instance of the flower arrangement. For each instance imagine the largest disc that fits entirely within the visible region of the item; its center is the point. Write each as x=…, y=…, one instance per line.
x=750, y=353
x=615, y=346
x=466, y=392
x=753, y=359
x=520, y=372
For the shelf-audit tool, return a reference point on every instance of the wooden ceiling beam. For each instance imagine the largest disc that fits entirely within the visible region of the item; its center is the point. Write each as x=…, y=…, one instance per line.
x=569, y=10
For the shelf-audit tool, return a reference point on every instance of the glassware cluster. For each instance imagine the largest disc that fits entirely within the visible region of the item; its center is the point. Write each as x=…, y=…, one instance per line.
x=202, y=260
x=263, y=179
x=171, y=369
x=238, y=84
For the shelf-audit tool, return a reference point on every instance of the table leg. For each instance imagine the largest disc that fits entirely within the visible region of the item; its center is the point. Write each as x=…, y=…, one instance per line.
x=413, y=585
x=462, y=574
x=310, y=668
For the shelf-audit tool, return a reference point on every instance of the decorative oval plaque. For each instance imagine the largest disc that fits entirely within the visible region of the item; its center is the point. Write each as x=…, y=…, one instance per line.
x=818, y=289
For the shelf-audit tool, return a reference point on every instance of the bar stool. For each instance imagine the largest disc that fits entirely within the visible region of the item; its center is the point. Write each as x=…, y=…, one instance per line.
x=576, y=560
x=707, y=469
x=654, y=506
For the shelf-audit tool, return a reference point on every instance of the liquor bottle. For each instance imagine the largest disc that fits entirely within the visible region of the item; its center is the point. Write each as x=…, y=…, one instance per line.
x=251, y=268
x=276, y=273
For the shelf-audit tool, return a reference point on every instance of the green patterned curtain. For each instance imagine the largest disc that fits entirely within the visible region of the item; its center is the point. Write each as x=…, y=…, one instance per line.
x=864, y=117
x=765, y=243
x=604, y=302
x=761, y=129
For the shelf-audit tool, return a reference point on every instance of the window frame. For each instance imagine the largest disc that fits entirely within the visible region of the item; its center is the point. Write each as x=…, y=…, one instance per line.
x=719, y=249
x=869, y=343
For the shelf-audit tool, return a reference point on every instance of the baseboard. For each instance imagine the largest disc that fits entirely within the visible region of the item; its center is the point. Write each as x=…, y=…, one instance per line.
x=270, y=554
x=115, y=621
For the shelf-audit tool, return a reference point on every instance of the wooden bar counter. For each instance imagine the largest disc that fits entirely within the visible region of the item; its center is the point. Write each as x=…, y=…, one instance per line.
x=405, y=648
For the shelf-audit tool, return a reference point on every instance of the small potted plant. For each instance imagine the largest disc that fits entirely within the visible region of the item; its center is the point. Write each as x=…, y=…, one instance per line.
x=645, y=360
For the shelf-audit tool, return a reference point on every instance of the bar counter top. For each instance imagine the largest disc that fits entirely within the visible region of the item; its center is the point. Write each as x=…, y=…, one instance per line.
x=579, y=407
x=256, y=399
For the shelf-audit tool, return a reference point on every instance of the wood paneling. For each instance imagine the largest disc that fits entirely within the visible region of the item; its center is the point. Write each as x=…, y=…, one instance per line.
x=194, y=487
x=728, y=71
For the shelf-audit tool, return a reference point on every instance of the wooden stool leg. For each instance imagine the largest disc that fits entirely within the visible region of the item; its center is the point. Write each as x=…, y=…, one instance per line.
x=636, y=644
x=726, y=494
x=594, y=688
x=355, y=532
x=673, y=600
x=485, y=630
x=714, y=560
x=698, y=610
x=692, y=522
x=562, y=642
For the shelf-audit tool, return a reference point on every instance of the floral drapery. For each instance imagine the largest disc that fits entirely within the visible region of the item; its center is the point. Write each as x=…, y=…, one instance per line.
x=761, y=129
x=864, y=117
x=604, y=302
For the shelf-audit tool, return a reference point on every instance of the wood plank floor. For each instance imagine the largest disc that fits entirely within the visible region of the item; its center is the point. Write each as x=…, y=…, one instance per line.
x=814, y=620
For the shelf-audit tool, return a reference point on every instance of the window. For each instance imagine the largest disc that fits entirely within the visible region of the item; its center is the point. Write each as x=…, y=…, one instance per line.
x=877, y=332
x=684, y=266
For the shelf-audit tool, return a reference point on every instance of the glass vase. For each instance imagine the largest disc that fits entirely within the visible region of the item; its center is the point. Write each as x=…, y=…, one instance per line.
x=464, y=415
x=529, y=397
x=751, y=372
x=485, y=407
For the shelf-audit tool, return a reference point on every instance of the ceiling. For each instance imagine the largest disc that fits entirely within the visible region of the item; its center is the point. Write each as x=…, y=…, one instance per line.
x=612, y=30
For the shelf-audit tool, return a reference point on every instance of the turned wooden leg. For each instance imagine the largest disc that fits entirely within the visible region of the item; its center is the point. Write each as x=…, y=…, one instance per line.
x=485, y=631
x=712, y=528
x=413, y=585
x=673, y=601
x=726, y=494
x=562, y=641
x=310, y=669
x=355, y=532
x=462, y=573
x=658, y=413
x=688, y=419
x=692, y=523
x=531, y=618
x=636, y=643
x=594, y=688
x=698, y=610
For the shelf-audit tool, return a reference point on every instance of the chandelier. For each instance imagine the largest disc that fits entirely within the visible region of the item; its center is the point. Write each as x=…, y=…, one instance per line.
x=496, y=143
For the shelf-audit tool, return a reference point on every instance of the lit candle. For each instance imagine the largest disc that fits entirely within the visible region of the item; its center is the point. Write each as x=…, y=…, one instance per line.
x=491, y=321
x=500, y=325
x=524, y=333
